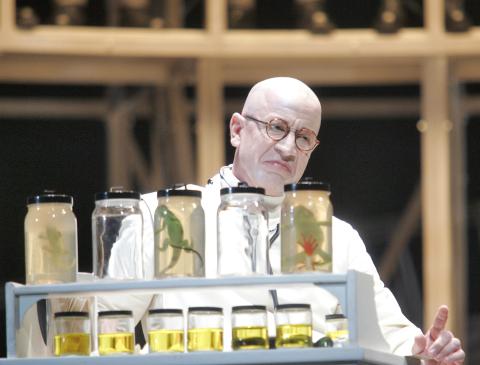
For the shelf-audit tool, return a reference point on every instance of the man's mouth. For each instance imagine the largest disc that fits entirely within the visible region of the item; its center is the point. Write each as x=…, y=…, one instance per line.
x=280, y=165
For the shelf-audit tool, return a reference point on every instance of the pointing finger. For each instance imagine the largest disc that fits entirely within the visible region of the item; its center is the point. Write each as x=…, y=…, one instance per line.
x=439, y=322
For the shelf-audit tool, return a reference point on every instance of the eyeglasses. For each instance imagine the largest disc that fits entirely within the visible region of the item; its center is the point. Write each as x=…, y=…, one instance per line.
x=277, y=129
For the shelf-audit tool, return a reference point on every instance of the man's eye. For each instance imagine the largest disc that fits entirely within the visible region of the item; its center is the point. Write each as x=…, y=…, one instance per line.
x=305, y=138
x=277, y=128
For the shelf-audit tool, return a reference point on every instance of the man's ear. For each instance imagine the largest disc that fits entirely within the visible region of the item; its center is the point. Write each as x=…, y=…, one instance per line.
x=236, y=125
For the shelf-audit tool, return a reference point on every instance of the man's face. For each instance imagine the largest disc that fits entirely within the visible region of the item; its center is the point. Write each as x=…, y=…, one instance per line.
x=261, y=161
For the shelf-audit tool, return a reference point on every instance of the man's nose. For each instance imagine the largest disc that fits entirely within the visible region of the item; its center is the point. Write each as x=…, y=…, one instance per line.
x=287, y=147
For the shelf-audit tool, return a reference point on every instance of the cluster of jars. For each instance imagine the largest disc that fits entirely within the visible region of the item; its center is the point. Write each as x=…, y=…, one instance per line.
x=179, y=234
x=205, y=330
x=116, y=334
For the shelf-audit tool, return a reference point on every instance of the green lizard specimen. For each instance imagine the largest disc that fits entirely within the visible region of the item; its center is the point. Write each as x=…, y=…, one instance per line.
x=55, y=248
x=169, y=221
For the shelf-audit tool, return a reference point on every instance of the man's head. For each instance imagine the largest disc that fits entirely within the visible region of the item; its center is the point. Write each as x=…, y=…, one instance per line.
x=260, y=160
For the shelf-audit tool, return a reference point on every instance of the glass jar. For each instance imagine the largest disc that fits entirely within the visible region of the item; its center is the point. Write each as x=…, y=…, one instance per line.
x=165, y=330
x=337, y=329
x=249, y=327
x=50, y=240
x=117, y=231
x=205, y=329
x=242, y=232
x=72, y=333
x=116, y=332
x=306, y=228
x=294, y=325
x=179, y=227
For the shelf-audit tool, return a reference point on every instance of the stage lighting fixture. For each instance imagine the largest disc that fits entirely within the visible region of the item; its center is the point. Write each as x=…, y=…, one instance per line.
x=456, y=20
x=135, y=13
x=312, y=15
x=241, y=14
x=26, y=18
x=69, y=12
x=391, y=17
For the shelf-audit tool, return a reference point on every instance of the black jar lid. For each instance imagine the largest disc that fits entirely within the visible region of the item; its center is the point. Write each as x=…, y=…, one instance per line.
x=178, y=192
x=307, y=185
x=334, y=316
x=239, y=308
x=115, y=313
x=165, y=311
x=293, y=306
x=117, y=195
x=205, y=309
x=242, y=190
x=71, y=314
x=50, y=198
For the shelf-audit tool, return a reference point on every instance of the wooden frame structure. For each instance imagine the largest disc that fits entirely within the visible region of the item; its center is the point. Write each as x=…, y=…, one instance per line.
x=214, y=57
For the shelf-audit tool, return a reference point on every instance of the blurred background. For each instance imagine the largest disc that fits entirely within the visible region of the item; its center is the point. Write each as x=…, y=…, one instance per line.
x=138, y=93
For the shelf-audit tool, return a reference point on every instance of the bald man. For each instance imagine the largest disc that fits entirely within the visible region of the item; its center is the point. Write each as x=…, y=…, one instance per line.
x=274, y=137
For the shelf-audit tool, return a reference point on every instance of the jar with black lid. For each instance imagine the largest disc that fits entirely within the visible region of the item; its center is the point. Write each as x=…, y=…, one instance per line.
x=50, y=239
x=72, y=333
x=179, y=234
x=117, y=235
x=306, y=228
x=116, y=332
x=242, y=232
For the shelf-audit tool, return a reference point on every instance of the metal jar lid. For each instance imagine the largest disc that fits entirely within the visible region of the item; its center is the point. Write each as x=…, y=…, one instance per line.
x=165, y=311
x=178, y=192
x=205, y=309
x=50, y=198
x=115, y=313
x=71, y=314
x=293, y=306
x=307, y=185
x=242, y=190
x=241, y=308
x=117, y=195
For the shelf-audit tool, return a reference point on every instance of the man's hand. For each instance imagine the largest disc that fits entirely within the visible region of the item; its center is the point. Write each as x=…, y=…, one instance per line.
x=438, y=344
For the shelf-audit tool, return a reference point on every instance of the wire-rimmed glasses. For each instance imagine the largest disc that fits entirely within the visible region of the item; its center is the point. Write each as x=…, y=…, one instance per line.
x=277, y=129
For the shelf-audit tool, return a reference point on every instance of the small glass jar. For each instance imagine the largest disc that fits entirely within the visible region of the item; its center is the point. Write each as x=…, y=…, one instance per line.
x=116, y=332
x=249, y=327
x=205, y=329
x=50, y=240
x=337, y=329
x=294, y=325
x=117, y=235
x=306, y=228
x=242, y=232
x=179, y=227
x=72, y=333
x=165, y=330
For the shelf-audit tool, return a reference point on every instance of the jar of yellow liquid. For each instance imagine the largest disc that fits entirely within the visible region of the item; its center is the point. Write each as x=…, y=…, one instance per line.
x=294, y=326
x=337, y=329
x=72, y=333
x=249, y=327
x=165, y=330
x=205, y=329
x=50, y=239
x=116, y=334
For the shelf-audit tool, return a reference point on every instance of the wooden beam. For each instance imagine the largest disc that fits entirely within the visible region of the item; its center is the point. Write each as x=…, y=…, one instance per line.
x=441, y=274
x=82, y=70
x=210, y=123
